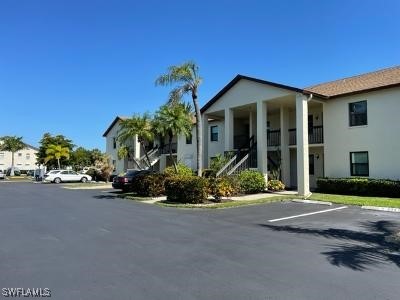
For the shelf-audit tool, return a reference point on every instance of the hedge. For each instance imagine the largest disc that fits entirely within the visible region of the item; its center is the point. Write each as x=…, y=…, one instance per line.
x=251, y=182
x=186, y=189
x=275, y=185
x=149, y=185
x=219, y=187
x=359, y=187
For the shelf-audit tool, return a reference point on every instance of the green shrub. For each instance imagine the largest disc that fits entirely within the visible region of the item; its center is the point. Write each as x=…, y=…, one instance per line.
x=186, y=189
x=183, y=170
x=149, y=185
x=359, y=187
x=275, y=185
x=207, y=173
x=95, y=174
x=222, y=187
x=217, y=163
x=251, y=182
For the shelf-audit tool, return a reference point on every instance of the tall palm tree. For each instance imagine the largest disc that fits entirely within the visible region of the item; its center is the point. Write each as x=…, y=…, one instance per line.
x=140, y=125
x=12, y=144
x=186, y=79
x=173, y=120
x=54, y=151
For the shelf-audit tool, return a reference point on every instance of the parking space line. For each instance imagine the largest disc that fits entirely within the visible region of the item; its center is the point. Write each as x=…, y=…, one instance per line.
x=308, y=214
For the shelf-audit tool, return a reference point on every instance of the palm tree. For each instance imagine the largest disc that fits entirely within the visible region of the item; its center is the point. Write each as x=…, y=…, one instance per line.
x=54, y=151
x=12, y=144
x=173, y=120
x=140, y=125
x=187, y=80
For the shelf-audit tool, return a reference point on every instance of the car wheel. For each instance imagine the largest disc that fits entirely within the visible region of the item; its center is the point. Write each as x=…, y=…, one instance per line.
x=83, y=179
x=57, y=180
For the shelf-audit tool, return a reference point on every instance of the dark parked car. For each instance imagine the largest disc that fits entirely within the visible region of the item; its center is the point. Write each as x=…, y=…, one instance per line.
x=124, y=182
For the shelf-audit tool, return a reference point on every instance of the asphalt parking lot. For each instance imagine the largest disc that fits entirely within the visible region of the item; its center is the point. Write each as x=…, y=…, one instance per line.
x=87, y=244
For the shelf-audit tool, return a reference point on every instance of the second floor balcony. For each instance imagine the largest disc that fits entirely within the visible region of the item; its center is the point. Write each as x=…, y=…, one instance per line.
x=315, y=136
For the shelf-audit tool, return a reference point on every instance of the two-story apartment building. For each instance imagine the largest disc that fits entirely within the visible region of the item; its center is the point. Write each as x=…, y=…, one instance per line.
x=343, y=128
x=24, y=159
x=158, y=150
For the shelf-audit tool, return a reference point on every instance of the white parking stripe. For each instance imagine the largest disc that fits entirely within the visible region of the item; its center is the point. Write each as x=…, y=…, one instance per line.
x=308, y=214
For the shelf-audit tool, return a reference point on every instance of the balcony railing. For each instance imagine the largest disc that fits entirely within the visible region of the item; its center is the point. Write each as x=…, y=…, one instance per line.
x=315, y=135
x=274, y=137
x=165, y=149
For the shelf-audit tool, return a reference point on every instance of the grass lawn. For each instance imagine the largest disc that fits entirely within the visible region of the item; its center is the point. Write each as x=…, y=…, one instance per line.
x=18, y=178
x=78, y=185
x=229, y=204
x=357, y=200
x=132, y=196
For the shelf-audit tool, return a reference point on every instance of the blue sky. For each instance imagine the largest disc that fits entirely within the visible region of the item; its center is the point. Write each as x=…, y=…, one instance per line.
x=69, y=67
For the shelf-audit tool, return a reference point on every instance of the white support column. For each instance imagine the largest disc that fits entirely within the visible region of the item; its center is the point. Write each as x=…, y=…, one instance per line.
x=285, y=152
x=262, y=154
x=229, y=130
x=303, y=178
x=205, y=140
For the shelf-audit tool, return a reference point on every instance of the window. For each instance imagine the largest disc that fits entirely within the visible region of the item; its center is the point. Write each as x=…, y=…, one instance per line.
x=114, y=162
x=1, y=155
x=64, y=173
x=189, y=139
x=311, y=164
x=358, y=113
x=359, y=165
x=114, y=142
x=28, y=156
x=214, y=133
x=19, y=154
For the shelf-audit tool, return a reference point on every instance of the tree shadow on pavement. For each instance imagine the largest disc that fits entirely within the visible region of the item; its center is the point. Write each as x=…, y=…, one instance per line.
x=376, y=244
x=106, y=196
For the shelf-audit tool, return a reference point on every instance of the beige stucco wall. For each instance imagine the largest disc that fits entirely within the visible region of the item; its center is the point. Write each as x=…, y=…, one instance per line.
x=113, y=153
x=186, y=153
x=379, y=137
x=23, y=160
x=246, y=92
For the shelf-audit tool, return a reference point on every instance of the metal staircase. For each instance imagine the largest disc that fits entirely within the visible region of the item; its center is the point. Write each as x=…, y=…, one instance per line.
x=244, y=158
x=154, y=157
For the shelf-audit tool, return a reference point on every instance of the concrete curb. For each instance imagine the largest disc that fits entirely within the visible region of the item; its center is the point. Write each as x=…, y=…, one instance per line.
x=380, y=208
x=312, y=202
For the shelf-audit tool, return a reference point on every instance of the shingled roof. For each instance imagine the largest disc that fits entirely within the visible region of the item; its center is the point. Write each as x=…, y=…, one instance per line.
x=384, y=78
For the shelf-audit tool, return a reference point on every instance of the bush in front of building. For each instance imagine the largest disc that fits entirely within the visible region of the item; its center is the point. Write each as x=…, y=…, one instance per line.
x=149, y=185
x=186, y=189
x=275, y=185
x=183, y=170
x=359, y=187
x=251, y=182
x=219, y=187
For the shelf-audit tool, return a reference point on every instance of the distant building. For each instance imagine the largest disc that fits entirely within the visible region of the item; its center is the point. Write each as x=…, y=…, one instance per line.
x=24, y=159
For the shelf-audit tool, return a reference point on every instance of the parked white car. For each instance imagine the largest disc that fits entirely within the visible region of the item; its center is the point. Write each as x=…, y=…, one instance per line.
x=2, y=175
x=58, y=176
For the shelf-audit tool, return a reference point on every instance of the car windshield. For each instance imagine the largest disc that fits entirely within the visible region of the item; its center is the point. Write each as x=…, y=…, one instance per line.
x=53, y=172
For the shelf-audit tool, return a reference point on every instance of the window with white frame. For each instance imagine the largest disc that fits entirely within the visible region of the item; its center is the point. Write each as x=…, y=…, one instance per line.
x=359, y=163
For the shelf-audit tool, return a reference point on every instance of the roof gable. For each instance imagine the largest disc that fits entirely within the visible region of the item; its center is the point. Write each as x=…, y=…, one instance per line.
x=116, y=120
x=239, y=77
